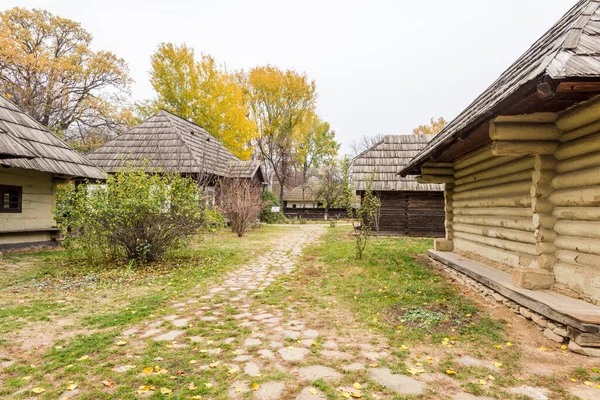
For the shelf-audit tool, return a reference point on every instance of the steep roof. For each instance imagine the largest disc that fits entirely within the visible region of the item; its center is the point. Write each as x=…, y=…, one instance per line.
x=171, y=143
x=244, y=169
x=25, y=143
x=386, y=158
x=570, y=49
x=305, y=192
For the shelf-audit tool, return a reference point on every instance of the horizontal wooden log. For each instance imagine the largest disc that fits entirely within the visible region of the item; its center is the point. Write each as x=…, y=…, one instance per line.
x=511, y=167
x=499, y=180
x=521, y=187
x=438, y=165
x=425, y=179
x=587, y=196
x=585, y=130
x=577, y=258
x=581, y=115
x=523, y=224
x=583, y=245
x=582, y=229
x=515, y=235
x=541, y=117
x=584, y=177
x=510, y=245
x=577, y=213
x=482, y=166
x=496, y=201
x=522, y=131
x=437, y=171
x=577, y=163
x=508, y=212
x=578, y=147
x=504, y=257
x=523, y=148
x=473, y=158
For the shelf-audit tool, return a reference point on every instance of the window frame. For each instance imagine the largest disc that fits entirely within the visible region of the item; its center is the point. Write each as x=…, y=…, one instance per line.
x=19, y=190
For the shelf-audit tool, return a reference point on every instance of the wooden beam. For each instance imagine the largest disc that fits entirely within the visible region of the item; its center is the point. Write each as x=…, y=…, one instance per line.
x=519, y=131
x=518, y=148
x=424, y=179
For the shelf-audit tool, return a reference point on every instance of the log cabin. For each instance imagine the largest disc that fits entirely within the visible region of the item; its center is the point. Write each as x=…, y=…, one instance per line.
x=521, y=169
x=167, y=142
x=407, y=208
x=32, y=162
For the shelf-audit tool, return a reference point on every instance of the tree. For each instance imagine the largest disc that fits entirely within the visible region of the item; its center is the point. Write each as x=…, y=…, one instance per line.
x=203, y=92
x=317, y=145
x=330, y=188
x=280, y=102
x=241, y=202
x=365, y=142
x=48, y=68
x=434, y=127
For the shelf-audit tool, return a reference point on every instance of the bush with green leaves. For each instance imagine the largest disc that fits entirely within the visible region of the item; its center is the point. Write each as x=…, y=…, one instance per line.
x=133, y=217
x=270, y=199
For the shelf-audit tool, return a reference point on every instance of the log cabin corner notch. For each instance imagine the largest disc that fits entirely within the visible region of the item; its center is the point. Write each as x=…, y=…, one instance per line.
x=521, y=169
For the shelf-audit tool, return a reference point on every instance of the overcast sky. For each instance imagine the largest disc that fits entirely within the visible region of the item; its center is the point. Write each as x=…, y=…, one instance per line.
x=381, y=67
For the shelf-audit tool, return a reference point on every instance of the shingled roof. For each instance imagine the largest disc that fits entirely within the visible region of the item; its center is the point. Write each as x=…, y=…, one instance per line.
x=171, y=143
x=386, y=158
x=306, y=192
x=570, y=49
x=25, y=143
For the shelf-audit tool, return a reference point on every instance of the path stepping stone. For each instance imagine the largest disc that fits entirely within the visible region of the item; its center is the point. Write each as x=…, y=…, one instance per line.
x=534, y=393
x=467, y=396
x=180, y=323
x=170, y=317
x=293, y=354
x=292, y=334
x=329, y=345
x=209, y=318
x=310, y=333
x=252, y=342
x=310, y=393
x=585, y=392
x=151, y=332
x=169, y=336
x=269, y=391
x=467, y=361
x=315, y=372
x=238, y=388
x=195, y=339
x=400, y=384
x=353, y=367
x=123, y=368
x=374, y=356
x=130, y=332
x=266, y=354
x=252, y=369
x=337, y=355
x=243, y=358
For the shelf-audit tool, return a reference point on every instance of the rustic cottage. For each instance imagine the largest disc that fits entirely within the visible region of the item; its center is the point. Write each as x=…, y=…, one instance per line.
x=521, y=168
x=407, y=208
x=170, y=143
x=32, y=162
x=302, y=196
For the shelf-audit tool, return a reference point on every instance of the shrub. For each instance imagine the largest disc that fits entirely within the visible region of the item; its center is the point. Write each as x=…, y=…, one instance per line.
x=271, y=200
x=133, y=217
x=240, y=200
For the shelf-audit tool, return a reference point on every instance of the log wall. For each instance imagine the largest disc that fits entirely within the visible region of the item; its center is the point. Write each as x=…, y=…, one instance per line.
x=37, y=206
x=576, y=199
x=491, y=208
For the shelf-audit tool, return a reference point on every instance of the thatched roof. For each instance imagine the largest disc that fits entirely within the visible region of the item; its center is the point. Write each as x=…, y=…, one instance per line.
x=171, y=143
x=25, y=143
x=387, y=158
x=306, y=192
x=570, y=49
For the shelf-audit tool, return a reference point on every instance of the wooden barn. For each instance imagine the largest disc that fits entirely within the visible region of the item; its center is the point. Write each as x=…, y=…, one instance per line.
x=32, y=162
x=170, y=143
x=407, y=208
x=521, y=168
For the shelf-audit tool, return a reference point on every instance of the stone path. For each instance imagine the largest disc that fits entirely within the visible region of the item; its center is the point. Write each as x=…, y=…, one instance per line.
x=278, y=342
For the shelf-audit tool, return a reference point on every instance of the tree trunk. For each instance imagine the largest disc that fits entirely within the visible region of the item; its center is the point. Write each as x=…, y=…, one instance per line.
x=326, y=212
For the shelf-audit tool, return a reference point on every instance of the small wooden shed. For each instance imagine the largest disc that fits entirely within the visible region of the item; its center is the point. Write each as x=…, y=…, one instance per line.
x=171, y=143
x=521, y=168
x=32, y=162
x=407, y=208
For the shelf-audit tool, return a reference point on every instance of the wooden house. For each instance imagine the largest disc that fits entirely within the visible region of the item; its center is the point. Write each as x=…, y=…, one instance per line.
x=170, y=143
x=32, y=162
x=302, y=196
x=521, y=168
x=407, y=208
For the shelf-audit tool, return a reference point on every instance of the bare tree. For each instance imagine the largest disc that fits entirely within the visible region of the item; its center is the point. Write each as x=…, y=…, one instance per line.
x=364, y=142
x=241, y=203
x=330, y=189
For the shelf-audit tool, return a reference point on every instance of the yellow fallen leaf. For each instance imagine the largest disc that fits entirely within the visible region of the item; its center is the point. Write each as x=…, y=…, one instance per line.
x=121, y=343
x=148, y=370
x=482, y=382
x=108, y=383
x=208, y=385
x=508, y=344
x=313, y=391
x=238, y=389
x=498, y=364
x=214, y=365
x=146, y=389
x=357, y=386
x=83, y=358
x=499, y=347
x=564, y=347
x=255, y=386
x=543, y=348
x=403, y=347
x=573, y=380
x=38, y=390
x=72, y=386
x=232, y=370
x=356, y=395
x=491, y=378
x=193, y=361
x=345, y=395
x=165, y=390
x=450, y=372
x=588, y=383
x=415, y=371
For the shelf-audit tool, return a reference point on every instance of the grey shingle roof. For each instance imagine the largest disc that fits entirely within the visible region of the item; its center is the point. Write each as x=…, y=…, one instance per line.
x=570, y=49
x=307, y=192
x=387, y=159
x=25, y=143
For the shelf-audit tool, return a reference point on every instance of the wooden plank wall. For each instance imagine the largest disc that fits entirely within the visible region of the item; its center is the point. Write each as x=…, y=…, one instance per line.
x=315, y=213
x=419, y=214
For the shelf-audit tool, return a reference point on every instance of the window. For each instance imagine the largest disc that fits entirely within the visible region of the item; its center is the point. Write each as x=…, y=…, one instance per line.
x=11, y=197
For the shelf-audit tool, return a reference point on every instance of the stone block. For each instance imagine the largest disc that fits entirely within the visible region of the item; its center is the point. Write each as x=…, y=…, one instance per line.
x=587, y=351
x=443, y=245
x=585, y=339
x=532, y=278
x=539, y=319
x=553, y=336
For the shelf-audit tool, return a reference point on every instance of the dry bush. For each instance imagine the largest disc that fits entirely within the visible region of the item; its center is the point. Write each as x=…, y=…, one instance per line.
x=241, y=203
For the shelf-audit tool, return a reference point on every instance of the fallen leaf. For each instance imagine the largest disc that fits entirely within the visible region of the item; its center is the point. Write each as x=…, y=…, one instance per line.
x=543, y=348
x=192, y=386
x=345, y=395
x=508, y=344
x=450, y=372
x=214, y=365
x=588, y=383
x=208, y=385
x=313, y=391
x=165, y=390
x=38, y=390
x=356, y=395
x=193, y=361
x=357, y=386
x=415, y=371
x=255, y=386
x=573, y=380
x=83, y=358
x=148, y=370
x=108, y=383
x=498, y=364
x=146, y=389
x=238, y=389
x=72, y=386
x=121, y=343
x=482, y=382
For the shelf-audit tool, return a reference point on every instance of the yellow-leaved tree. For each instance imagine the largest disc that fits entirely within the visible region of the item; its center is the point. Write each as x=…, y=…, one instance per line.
x=48, y=68
x=434, y=127
x=203, y=92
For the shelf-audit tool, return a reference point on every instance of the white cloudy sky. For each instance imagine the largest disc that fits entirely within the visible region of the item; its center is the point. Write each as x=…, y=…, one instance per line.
x=381, y=66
